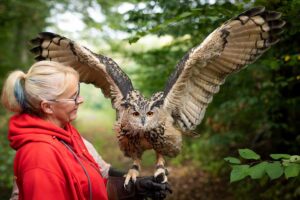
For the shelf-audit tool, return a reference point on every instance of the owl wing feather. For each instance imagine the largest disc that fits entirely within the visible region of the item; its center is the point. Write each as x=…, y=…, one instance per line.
x=93, y=68
x=201, y=72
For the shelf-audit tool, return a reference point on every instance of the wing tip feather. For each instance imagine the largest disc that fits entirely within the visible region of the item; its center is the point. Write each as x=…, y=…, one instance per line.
x=35, y=41
x=36, y=50
x=47, y=35
x=252, y=12
x=39, y=58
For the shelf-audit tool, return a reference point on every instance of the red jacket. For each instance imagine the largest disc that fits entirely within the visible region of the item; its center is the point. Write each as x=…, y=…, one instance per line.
x=45, y=168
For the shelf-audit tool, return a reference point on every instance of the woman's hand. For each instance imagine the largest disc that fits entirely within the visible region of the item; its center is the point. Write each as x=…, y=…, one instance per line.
x=143, y=188
x=148, y=187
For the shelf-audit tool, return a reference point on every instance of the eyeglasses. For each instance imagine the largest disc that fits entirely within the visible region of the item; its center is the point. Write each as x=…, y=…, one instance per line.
x=76, y=98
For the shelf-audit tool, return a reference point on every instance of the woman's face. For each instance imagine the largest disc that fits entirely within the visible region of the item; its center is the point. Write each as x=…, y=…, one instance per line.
x=64, y=108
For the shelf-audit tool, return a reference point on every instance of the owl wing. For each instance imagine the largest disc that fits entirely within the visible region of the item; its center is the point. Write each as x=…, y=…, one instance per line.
x=198, y=76
x=93, y=68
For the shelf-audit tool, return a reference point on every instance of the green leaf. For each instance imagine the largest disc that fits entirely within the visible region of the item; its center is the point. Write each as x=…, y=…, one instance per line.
x=292, y=170
x=285, y=162
x=238, y=172
x=133, y=39
x=295, y=159
x=184, y=15
x=280, y=156
x=257, y=171
x=232, y=160
x=248, y=154
x=274, y=170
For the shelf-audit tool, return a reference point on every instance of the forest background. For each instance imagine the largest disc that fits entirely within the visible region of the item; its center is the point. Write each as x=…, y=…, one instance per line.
x=257, y=109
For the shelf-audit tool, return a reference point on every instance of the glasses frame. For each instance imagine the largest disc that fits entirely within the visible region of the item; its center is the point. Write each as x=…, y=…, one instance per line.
x=75, y=99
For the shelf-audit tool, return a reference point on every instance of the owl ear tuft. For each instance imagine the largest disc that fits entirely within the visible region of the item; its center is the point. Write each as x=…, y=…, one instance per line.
x=125, y=104
x=157, y=104
x=156, y=100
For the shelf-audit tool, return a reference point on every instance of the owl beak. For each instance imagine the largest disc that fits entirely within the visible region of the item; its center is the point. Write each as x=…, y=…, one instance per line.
x=143, y=120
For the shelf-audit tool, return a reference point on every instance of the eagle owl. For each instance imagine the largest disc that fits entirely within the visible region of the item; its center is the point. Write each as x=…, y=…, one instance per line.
x=159, y=122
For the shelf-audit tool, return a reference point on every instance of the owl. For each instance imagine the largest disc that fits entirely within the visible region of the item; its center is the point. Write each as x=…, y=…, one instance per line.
x=159, y=122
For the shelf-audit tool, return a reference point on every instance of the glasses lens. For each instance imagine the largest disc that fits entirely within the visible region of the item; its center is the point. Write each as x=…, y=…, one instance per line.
x=77, y=95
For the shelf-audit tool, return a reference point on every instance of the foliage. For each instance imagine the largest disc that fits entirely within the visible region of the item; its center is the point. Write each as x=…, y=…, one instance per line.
x=20, y=21
x=16, y=19
x=256, y=168
x=6, y=159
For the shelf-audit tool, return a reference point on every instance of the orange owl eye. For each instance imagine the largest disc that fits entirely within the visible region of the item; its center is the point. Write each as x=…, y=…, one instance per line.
x=135, y=114
x=150, y=113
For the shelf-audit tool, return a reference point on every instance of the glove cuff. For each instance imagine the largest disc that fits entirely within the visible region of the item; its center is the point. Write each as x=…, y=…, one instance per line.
x=116, y=191
x=115, y=173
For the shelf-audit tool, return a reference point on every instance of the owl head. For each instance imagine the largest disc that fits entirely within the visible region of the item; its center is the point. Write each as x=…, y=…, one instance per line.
x=143, y=113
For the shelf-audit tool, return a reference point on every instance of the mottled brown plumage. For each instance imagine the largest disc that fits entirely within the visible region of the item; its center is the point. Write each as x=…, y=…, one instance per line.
x=158, y=123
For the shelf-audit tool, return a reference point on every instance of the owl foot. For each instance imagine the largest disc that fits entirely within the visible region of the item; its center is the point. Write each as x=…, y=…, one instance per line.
x=131, y=175
x=160, y=174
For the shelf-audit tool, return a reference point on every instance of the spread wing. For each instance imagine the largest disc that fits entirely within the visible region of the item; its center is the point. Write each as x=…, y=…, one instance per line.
x=93, y=68
x=198, y=76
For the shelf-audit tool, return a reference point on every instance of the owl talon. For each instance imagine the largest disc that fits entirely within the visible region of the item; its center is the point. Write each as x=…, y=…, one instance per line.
x=160, y=175
x=129, y=187
x=131, y=175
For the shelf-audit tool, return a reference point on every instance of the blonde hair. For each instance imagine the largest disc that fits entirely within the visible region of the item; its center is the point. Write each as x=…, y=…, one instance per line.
x=45, y=80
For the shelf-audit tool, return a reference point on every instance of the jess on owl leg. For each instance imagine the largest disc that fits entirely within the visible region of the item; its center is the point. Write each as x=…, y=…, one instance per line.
x=160, y=173
x=133, y=172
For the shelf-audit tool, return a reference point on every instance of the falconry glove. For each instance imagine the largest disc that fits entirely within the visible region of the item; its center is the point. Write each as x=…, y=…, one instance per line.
x=143, y=188
x=147, y=187
x=112, y=172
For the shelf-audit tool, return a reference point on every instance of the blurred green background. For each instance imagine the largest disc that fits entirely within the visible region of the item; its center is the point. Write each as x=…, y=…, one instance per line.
x=259, y=108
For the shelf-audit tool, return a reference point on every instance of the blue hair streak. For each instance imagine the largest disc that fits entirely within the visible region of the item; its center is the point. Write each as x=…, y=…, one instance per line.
x=20, y=94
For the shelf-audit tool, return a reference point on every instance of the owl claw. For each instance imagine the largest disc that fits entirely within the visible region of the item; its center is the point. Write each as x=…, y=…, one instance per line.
x=131, y=175
x=160, y=175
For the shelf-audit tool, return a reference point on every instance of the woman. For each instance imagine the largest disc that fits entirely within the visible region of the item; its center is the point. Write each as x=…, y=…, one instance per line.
x=52, y=161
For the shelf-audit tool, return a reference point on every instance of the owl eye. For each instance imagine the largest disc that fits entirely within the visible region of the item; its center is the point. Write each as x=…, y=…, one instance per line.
x=150, y=113
x=136, y=114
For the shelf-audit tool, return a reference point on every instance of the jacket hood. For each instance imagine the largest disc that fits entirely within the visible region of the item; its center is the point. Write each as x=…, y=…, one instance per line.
x=26, y=128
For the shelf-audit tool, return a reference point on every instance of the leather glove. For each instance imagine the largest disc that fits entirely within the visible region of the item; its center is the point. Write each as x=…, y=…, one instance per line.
x=147, y=187
x=143, y=188
x=115, y=173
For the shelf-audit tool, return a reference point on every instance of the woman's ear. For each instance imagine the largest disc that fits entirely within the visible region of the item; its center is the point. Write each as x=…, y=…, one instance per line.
x=46, y=107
